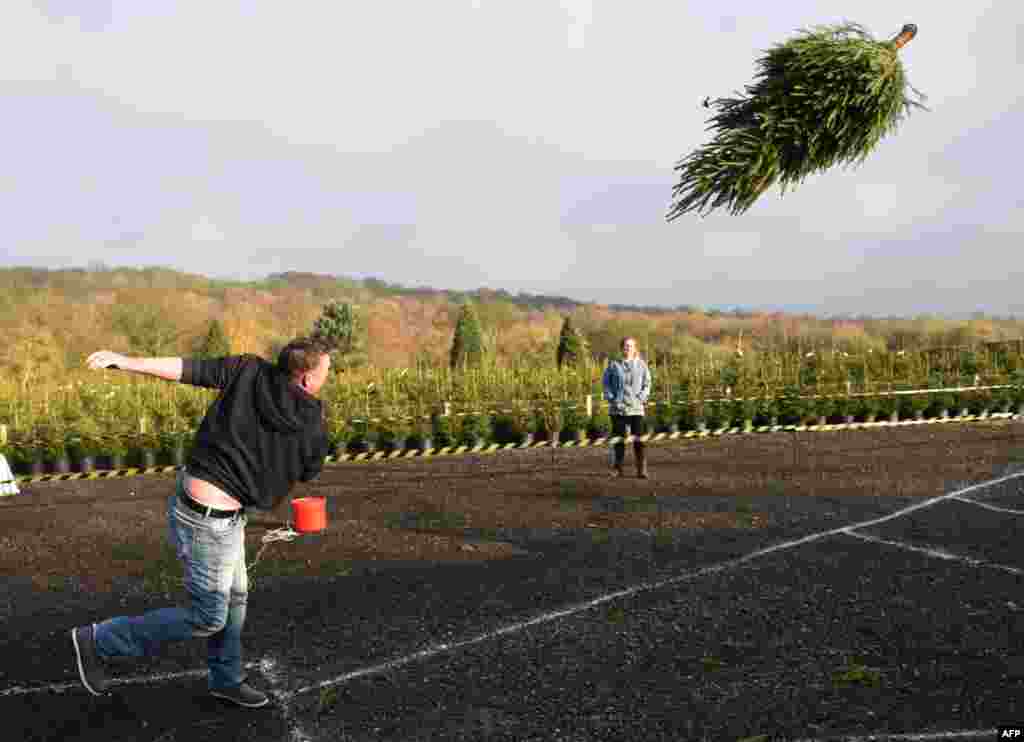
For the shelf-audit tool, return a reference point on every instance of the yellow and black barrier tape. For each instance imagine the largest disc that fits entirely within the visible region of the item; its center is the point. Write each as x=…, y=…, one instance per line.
x=488, y=448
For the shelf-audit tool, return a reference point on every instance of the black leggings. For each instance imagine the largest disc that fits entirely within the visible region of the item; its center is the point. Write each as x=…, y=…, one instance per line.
x=636, y=424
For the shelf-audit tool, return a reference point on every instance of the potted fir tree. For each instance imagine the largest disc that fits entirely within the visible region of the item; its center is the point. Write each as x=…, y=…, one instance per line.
x=86, y=444
x=441, y=430
x=363, y=438
x=889, y=407
x=823, y=408
x=843, y=408
x=56, y=445
x=867, y=408
x=574, y=424
x=392, y=434
x=1017, y=393
x=600, y=425
x=503, y=426
x=1002, y=399
x=172, y=443
x=940, y=403
x=698, y=415
x=337, y=440
x=791, y=406
x=143, y=448
x=419, y=438
x=766, y=413
x=115, y=450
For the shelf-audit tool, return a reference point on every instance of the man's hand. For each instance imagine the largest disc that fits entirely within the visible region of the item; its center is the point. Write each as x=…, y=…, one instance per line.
x=108, y=359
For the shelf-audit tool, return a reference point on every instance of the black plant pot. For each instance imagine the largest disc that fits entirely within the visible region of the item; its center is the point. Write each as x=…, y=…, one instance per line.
x=418, y=443
x=145, y=458
x=176, y=456
x=113, y=461
x=36, y=468
x=86, y=464
x=362, y=446
x=61, y=465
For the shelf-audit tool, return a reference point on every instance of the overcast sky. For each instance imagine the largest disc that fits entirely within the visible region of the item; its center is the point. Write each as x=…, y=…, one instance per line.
x=519, y=144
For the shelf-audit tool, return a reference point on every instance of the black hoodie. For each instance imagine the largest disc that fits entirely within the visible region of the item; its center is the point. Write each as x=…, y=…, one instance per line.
x=262, y=434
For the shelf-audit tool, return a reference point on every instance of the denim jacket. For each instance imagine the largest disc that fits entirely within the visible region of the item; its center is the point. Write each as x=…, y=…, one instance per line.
x=626, y=386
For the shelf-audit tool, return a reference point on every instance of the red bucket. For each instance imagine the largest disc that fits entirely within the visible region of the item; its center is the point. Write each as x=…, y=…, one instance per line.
x=310, y=514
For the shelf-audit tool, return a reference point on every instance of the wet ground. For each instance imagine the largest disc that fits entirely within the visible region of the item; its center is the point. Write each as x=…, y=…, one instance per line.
x=526, y=595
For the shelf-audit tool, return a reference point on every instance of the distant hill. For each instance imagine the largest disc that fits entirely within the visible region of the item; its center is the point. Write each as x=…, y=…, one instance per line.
x=52, y=318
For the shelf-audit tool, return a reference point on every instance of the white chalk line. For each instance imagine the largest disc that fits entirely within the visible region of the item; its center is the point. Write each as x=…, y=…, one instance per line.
x=939, y=553
x=137, y=680
x=296, y=733
x=993, y=508
x=643, y=587
x=911, y=737
x=547, y=617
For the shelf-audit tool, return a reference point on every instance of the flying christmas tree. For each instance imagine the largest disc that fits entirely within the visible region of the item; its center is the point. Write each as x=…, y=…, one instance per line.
x=823, y=98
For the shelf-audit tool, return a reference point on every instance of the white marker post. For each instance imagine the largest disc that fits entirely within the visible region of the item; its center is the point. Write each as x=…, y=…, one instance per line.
x=7, y=484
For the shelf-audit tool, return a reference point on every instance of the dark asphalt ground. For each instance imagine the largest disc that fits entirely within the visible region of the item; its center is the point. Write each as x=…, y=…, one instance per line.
x=835, y=638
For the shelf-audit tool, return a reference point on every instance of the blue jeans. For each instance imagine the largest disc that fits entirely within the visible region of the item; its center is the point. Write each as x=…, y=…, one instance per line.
x=212, y=552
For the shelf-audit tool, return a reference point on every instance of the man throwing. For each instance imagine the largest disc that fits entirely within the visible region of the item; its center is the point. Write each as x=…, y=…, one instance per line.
x=264, y=432
x=627, y=384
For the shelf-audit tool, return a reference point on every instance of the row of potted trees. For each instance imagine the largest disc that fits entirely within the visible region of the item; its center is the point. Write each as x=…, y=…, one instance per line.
x=50, y=449
x=83, y=447
x=517, y=426
x=570, y=422
x=793, y=408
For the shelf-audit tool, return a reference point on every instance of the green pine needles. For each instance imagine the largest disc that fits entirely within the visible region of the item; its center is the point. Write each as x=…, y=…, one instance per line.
x=571, y=345
x=823, y=98
x=467, y=343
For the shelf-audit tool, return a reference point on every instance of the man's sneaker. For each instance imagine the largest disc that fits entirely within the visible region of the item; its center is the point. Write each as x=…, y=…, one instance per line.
x=90, y=667
x=243, y=695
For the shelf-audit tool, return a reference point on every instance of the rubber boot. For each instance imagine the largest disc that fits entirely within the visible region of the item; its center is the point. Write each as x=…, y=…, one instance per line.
x=620, y=456
x=641, y=459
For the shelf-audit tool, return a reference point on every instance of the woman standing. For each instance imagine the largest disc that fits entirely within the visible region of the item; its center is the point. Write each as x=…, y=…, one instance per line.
x=627, y=384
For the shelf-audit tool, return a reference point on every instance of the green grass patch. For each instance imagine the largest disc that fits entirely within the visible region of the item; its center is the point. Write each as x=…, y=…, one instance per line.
x=128, y=552
x=327, y=700
x=745, y=514
x=571, y=493
x=663, y=536
x=335, y=568
x=599, y=535
x=616, y=615
x=856, y=673
x=644, y=504
x=710, y=663
x=489, y=534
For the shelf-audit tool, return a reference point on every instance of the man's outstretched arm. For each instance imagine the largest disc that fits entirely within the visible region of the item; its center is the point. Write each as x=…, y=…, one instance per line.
x=163, y=368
